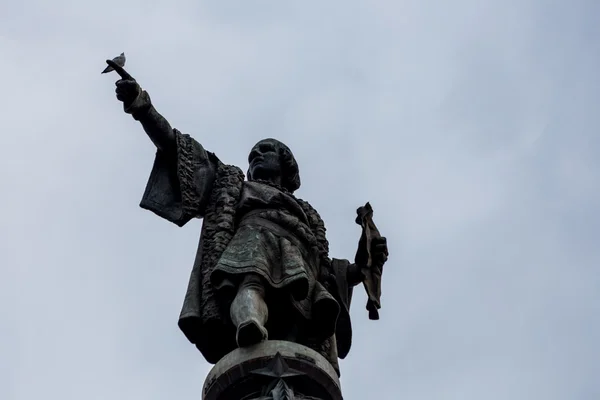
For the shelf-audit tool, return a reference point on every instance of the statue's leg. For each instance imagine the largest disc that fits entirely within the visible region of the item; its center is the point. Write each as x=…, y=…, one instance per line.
x=249, y=311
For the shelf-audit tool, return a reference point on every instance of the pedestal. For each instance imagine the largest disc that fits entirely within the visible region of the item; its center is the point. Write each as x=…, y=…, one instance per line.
x=272, y=370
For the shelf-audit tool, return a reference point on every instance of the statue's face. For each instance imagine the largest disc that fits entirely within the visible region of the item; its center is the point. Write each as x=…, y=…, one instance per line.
x=264, y=160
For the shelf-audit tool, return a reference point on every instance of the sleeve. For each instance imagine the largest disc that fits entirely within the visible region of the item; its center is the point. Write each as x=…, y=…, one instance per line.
x=180, y=185
x=344, y=296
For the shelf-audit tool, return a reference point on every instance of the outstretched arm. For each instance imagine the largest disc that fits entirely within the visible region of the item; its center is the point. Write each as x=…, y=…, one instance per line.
x=180, y=183
x=137, y=103
x=155, y=125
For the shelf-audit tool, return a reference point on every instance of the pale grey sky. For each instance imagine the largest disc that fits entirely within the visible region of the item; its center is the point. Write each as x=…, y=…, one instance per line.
x=470, y=126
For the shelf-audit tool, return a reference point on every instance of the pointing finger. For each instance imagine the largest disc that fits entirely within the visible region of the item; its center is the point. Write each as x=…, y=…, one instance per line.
x=120, y=70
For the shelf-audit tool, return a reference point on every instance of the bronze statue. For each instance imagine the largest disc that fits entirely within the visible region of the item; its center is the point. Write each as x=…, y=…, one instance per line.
x=262, y=268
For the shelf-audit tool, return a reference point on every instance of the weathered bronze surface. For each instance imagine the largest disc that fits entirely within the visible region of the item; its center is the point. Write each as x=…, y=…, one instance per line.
x=262, y=269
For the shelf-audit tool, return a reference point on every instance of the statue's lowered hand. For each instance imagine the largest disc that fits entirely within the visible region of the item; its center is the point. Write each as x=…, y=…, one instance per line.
x=371, y=255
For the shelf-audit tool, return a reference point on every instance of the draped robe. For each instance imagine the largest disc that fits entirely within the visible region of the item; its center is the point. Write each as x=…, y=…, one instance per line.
x=247, y=227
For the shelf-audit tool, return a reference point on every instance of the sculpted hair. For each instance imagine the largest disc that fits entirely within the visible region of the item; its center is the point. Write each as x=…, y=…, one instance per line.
x=289, y=169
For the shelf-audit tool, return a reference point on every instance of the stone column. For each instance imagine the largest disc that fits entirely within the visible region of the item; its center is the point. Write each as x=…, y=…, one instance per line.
x=272, y=370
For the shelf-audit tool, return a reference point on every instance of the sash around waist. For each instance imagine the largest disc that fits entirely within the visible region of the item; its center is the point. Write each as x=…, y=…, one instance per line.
x=257, y=217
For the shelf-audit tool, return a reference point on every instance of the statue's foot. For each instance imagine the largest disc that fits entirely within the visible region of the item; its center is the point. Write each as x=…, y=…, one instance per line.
x=250, y=332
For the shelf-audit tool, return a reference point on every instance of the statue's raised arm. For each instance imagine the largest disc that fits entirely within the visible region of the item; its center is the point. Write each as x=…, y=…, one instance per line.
x=182, y=177
x=137, y=103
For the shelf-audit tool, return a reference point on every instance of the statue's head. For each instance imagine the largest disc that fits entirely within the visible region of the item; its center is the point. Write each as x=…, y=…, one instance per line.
x=273, y=161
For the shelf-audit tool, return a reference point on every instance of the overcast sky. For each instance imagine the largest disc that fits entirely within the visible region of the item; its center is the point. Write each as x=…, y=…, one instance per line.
x=471, y=126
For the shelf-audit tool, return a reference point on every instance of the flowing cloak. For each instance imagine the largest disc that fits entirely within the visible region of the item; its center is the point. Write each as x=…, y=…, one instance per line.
x=194, y=183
